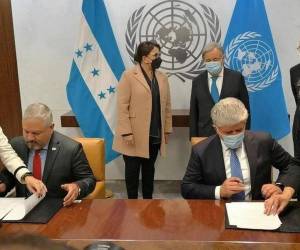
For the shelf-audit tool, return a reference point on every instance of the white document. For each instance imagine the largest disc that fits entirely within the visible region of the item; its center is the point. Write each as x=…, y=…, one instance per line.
x=17, y=208
x=250, y=215
x=7, y=204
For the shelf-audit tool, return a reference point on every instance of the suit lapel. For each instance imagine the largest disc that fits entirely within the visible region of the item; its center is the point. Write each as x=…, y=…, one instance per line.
x=218, y=159
x=224, y=83
x=53, y=150
x=205, y=87
x=138, y=74
x=24, y=153
x=160, y=82
x=251, y=150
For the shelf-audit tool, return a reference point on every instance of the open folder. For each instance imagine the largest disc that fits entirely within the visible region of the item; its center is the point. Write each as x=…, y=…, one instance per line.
x=33, y=209
x=250, y=215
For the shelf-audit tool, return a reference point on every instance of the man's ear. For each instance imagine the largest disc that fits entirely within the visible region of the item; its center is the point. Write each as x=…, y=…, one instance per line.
x=217, y=131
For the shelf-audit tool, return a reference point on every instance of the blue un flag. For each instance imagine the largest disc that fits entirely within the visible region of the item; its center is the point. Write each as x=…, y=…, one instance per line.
x=249, y=48
x=96, y=69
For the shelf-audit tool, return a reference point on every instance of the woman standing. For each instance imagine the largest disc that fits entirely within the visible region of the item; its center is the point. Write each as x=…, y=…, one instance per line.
x=144, y=118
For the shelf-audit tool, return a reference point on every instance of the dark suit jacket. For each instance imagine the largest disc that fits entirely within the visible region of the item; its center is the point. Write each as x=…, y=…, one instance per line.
x=202, y=102
x=295, y=84
x=206, y=168
x=65, y=163
x=295, y=78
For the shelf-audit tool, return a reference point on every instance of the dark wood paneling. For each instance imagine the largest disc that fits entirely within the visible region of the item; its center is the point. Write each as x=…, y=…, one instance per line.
x=10, y=104
x=180, y=118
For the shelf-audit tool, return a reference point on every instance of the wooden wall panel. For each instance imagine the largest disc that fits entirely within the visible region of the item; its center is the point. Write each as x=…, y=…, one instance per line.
x=10, y=103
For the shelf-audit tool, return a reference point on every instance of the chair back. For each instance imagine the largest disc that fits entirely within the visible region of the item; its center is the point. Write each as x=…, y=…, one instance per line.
x=195, y=140
x=94, y=149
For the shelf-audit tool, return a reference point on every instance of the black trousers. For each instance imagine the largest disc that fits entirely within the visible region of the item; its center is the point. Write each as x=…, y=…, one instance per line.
x=132, y=172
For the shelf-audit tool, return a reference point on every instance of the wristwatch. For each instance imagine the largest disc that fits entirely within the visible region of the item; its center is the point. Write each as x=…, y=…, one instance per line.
x=280, y=185
x=79, y=190
x=25, y=175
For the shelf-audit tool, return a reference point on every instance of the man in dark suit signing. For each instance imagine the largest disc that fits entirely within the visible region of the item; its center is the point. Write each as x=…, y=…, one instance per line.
x=213, y=84
x=236, y=164
x=52, y=157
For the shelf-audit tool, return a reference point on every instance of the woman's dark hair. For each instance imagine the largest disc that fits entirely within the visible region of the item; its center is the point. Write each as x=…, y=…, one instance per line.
x=144, y=49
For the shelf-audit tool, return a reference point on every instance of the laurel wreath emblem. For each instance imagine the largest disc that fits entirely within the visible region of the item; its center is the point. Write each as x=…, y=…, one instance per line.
x=231, y=49
x=132, y=26
x=215, y=36
x=198, y=66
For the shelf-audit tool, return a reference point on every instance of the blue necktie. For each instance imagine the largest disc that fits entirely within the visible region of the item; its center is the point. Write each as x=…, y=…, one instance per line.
x=214, y=90
x=236, y=171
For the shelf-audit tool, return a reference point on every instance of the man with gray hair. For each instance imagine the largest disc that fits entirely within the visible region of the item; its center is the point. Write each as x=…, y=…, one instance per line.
x=212, y=85
x=52, y=157
x=237, y=164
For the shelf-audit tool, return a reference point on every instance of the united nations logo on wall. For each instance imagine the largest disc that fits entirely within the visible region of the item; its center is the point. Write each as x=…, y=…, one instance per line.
x=180, y=28
x=254, y=58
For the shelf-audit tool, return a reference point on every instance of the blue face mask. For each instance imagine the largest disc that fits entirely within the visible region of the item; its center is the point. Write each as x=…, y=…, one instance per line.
x=233, y=141
x=214, y=67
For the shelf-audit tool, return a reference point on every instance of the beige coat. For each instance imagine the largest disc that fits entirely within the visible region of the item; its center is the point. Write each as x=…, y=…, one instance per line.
x=134, y=112
x=10, y=159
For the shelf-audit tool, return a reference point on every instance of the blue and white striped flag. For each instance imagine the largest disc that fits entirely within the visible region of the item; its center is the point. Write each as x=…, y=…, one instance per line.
x=97, y=66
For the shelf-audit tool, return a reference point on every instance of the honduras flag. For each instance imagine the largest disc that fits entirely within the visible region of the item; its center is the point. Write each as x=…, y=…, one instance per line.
x=97, y=66
x=249, y=48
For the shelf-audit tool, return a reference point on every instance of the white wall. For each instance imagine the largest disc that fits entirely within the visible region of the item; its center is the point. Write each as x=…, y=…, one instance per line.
x=46, y=34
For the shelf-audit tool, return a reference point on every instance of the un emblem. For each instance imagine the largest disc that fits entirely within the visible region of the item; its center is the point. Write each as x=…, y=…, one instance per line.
x=181, y=29
x=254, y=58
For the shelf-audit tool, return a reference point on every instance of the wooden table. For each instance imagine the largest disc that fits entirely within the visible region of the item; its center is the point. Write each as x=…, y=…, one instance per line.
x=193, y=221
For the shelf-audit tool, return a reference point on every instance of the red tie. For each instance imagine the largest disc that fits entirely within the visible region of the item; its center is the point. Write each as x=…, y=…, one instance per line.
x=37, y=165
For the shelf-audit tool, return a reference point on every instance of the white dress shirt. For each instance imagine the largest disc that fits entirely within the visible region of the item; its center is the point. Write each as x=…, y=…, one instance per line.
x=242, y=156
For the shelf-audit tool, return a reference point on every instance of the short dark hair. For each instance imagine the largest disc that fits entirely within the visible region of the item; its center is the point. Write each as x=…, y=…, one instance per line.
x=144, y=49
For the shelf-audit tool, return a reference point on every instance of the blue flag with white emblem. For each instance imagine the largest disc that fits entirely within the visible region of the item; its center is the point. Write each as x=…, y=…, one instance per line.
x=249, y=48
x=96, y=68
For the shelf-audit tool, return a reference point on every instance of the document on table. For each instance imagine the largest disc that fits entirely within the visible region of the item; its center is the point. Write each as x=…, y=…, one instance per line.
x=17, y=208
x=250, y=215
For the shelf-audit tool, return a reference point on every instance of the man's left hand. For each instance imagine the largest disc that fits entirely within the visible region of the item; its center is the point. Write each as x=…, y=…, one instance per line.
x=277, y=202
x=73, y=192
x=268, y=190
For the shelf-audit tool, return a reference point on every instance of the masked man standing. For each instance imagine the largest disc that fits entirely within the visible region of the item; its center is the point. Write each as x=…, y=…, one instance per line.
x=212, y=85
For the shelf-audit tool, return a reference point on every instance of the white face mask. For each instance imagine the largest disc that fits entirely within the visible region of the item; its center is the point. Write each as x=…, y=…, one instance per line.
x=233, y=141
x=214, y=67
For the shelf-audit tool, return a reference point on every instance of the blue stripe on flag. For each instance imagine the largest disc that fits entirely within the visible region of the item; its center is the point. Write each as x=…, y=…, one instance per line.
x=250, y=49
x=89, y=116
x=97, y=18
